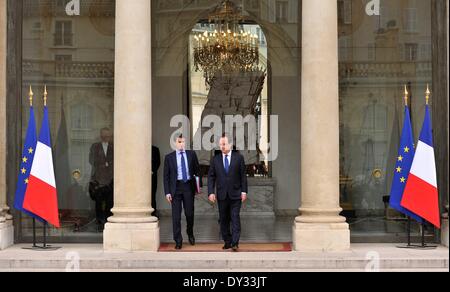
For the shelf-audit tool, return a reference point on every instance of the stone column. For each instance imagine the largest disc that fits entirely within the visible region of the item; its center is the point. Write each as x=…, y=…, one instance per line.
x=6, y=225
x=319, y=227
x=445, y=225
x=132, y=228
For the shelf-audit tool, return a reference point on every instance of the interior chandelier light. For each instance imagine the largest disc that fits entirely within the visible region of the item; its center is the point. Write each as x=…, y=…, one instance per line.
x=226, y=48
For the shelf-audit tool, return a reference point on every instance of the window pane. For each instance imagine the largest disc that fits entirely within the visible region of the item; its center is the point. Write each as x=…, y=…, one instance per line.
x=373, y=68
x=180, y=89
x=74, y=57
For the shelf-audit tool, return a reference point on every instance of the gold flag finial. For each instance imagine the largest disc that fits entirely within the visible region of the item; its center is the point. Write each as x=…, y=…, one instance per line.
x=31, y=94
x=406, y=95
x=428, y=94
x=45, y=95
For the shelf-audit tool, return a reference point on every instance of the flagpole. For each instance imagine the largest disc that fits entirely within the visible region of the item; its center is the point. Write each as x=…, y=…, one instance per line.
x=423, y=245
x=31, y=94
x=45, y=223
x=34, y=233
x=45, y=246
x=409, y=231
x=45, y=236
x=409, y=217
x=409, y=244
x=45, y=95
x=406, y=95
x=30, y=98
x=423, y=234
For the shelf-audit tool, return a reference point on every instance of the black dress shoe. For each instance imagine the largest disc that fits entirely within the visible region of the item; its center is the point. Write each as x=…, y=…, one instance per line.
x=192, y=240
x=178, y=246
x=226, y=246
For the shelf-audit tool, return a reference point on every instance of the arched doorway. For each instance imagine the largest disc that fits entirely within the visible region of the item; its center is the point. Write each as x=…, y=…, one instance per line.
x=182, y=90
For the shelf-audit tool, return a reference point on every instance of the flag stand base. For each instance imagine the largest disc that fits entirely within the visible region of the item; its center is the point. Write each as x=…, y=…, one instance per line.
x=423, y=245
x=418, y=247
x=42, y=248
x=45, y=246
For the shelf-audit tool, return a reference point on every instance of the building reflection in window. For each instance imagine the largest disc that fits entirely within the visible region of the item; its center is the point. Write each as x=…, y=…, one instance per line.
x=74, y=56
x=243, y=94
x=378, y=54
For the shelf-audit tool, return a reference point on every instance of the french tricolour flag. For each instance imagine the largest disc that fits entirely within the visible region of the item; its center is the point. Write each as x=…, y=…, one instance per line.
x=41, y=196
x=421, y=193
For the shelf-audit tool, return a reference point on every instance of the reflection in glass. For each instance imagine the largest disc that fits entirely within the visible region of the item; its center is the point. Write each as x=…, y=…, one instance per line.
x=74, y=56
x=378, y=54
x=239, y=93
x=178, y=88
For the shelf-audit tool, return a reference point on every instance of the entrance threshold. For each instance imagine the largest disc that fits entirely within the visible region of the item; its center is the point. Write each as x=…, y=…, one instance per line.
x=217, y=247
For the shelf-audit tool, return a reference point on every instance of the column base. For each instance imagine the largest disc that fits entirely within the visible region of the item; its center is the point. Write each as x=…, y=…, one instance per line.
x=6, y=234
x=131, y=237
x=444, y=233
x=321, y=236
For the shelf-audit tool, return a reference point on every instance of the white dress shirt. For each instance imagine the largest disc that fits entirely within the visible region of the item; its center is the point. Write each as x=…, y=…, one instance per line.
x=229, y=159
x=105, y=147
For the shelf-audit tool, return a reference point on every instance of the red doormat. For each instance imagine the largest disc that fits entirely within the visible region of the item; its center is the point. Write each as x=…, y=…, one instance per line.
x=217, y=247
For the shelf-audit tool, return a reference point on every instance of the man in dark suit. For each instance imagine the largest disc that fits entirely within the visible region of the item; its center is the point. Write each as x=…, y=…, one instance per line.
x=180, y=169
x=101, y=158
x=227, y=175
x=156, y=163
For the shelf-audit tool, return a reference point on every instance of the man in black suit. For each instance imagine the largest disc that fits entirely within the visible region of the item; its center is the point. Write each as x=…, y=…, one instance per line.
x=227, y=174
x=101, y=158
x=156, y=163
x=180, y=169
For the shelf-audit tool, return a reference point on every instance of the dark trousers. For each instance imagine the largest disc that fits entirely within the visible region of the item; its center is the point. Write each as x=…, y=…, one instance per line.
x=154, y=188
x=103, y=207
x=184, y=197
x=229, y=212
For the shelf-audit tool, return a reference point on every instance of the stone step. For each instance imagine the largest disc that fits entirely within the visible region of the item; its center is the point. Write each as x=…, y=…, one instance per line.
x=93, y=258
x=217, y=266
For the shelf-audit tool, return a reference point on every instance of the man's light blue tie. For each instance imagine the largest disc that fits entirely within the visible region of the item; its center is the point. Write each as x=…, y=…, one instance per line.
x=183, y=168
x=227, y=164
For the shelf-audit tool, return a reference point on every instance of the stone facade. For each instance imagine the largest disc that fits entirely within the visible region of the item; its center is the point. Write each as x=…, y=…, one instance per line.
x=260, y=202
x=132, y=228
x=445, y=230
x=6, y=224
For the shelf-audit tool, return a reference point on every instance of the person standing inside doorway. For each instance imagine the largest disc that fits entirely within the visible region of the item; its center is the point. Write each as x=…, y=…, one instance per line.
x=156, y=163
x=101, y=158
x=180, y=169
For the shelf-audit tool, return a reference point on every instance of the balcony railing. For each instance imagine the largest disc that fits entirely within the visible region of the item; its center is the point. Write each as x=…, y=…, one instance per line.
x=69, y=69
x=384, y=69
x=104, y=8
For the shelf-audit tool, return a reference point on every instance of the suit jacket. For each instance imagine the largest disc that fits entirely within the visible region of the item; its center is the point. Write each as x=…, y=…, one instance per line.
x=171, y=171
x=102, y=165
x=230, y=185
x=156, y=163
x=156, y=160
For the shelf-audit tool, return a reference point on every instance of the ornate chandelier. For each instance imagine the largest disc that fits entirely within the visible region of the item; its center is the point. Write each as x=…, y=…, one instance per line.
x=226, y=48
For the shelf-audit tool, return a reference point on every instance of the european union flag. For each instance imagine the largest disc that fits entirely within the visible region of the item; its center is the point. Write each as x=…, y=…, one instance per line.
x=403, y=164
x=26, y=161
